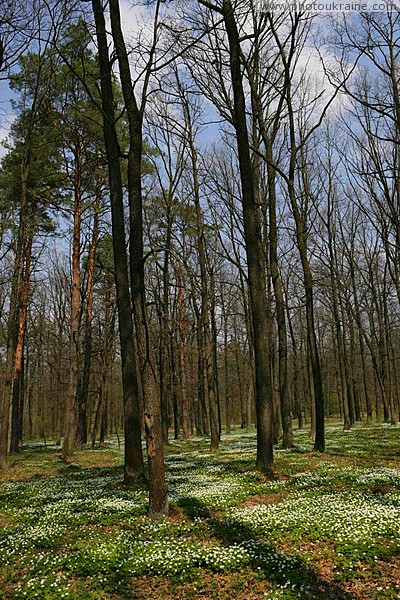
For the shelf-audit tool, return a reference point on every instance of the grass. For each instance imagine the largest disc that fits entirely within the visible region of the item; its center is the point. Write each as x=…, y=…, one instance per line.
x=327, y=528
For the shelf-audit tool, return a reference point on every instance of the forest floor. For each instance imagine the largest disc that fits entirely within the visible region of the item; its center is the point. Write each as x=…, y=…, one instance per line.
x=328, y=526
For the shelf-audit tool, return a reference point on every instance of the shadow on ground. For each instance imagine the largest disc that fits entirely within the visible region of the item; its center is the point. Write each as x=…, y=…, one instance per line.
x=274, y=566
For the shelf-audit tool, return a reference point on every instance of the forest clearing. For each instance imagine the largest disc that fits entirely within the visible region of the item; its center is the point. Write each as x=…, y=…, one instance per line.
x=327, y=527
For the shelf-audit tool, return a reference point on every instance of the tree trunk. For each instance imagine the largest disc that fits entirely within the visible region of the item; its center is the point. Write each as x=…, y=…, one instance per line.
x=71, y=411
x=201, y=250
x=254, y=253
x=165, y=374
x=17, y=400
x=81, y=433
x=301, y=237
x=227, y=399
x=158, y=498
x=134, y=469
x=182, y=359
x=287, y=441
x=13, y=321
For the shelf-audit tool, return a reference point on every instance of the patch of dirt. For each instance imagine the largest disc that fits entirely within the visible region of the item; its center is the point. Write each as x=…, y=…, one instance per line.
x=264, y=499
x=367, y=582
x=380, y=581
x=4, y=521
x=176, y=514
x=239, y=586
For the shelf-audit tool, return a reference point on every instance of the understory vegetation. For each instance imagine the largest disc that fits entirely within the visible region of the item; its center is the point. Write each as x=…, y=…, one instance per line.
x=328, y=526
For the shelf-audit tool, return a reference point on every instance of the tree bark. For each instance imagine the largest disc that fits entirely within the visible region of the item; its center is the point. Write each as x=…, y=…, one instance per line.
x=158, y=498
x=254, y=254
x=18, y=396
x=81, y=433
x=134, y=469
x=71, y=411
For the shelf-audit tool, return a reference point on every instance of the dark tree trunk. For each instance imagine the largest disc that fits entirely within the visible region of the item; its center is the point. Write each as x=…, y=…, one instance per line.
x=287, y=441
x=81, y=433
x=182, y=359
x=17, y=395
x=158, y=498
x=12, y=322
x=201, y=250
x=357, y=316
x=227, y=399
x=165, y=374
x=254, y=253
x=71, y=411
x=201, y=377
x=134, y=470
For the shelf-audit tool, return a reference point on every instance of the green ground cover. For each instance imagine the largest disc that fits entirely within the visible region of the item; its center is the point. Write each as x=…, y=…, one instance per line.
x=327, y=527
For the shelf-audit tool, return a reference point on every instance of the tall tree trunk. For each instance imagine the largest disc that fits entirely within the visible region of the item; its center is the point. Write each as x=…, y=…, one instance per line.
x=346, y=366
x=201, y=250
x=254, y=253
x=182, y=359
x=214, y=337
x=165, y=374
x=297, y=150
x=354, y=365
x=334, y=280
x=17, y=400
x=227, y=399
x=201, y=374
x=357, y=317
x=301, y=237
x=71, y=412
x=158, y=498
x=134, y=469
x=387, y=359
x=81, y=433
x=13, y=320
x=242, y=388
x=175, y=386
x=287, y=441
x=106, y=354
x=296, y=374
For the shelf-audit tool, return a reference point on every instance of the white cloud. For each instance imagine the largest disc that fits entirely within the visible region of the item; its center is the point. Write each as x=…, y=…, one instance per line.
x=132, y=17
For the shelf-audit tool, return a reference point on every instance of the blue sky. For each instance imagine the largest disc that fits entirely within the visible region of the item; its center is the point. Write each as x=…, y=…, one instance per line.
x=5, y=113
